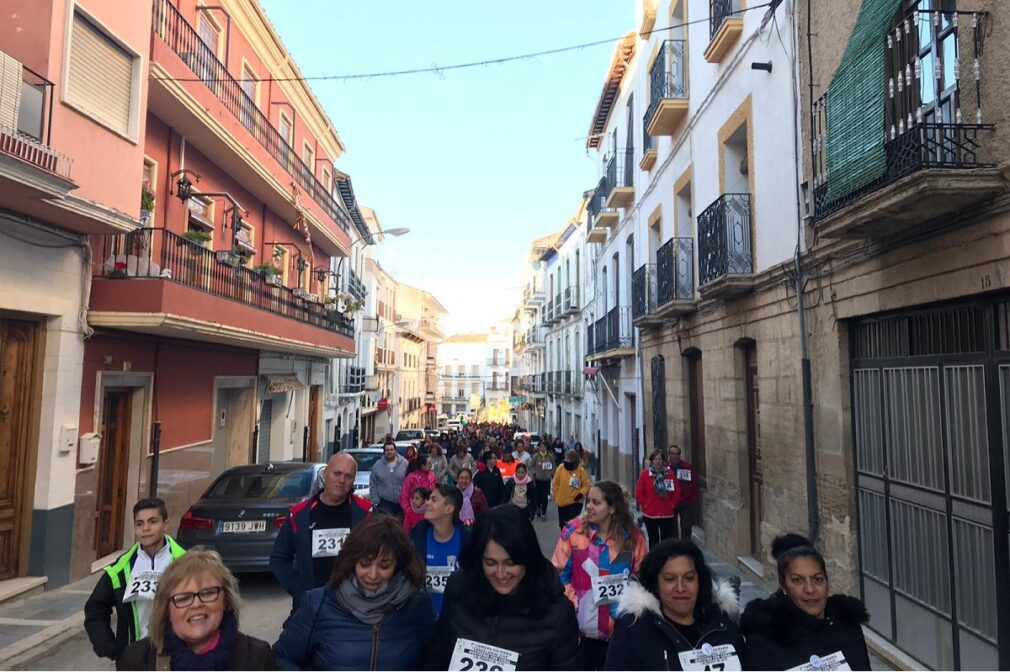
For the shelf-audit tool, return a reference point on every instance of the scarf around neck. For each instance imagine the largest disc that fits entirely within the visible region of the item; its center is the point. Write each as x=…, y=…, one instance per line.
x=371, y=607
x=658, y=480
x=218, y=658
x=466, y=511
x=524, y=481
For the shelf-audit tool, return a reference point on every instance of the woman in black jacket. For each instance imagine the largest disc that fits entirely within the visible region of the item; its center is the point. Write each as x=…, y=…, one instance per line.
x=490, y=481
x=800, y=624
x=677, y=616
x=505, y=607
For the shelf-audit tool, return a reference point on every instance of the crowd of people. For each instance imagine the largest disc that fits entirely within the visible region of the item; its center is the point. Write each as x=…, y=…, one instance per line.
x=443, y=570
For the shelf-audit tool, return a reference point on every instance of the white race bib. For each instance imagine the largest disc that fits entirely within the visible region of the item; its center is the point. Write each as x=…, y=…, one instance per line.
x=836, y=661
x=684, y=474
x=710, y=657
x=608, y=589
x=327, y=543
x=471, y=655
x=435, y=579
x=547, y=466
x=142, y=586
x=669, y=484
x=574, y=483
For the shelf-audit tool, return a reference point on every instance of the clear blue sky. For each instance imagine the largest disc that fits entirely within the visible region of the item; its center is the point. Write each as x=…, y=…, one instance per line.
x=475, y=162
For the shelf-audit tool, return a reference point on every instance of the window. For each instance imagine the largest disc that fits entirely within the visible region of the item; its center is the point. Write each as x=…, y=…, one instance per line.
x=210, y=34
x=150, y=182
x=101, y=77
x=286, y=131
x=309, y=157
x=250, y=87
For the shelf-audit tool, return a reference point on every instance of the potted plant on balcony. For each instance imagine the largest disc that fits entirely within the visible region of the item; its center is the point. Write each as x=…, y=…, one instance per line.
x=270, y=273
x=196, y=238
x=146, y=202
x=236, y=256
x=118, y=272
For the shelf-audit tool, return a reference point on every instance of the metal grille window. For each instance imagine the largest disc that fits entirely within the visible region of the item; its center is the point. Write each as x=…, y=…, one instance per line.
x=913, y=404
x=100, y=77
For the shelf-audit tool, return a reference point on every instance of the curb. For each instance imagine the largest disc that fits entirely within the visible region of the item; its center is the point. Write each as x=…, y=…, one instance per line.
x=41, y=643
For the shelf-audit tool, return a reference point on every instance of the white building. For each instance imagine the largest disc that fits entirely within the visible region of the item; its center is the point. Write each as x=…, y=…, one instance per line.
x=474, y=373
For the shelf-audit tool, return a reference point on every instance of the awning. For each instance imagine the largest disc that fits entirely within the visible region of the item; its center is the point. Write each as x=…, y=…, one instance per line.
x=590, y=371
x=285, y=383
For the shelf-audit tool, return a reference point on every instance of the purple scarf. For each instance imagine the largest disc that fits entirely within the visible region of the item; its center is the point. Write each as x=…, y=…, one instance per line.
x=466, y=511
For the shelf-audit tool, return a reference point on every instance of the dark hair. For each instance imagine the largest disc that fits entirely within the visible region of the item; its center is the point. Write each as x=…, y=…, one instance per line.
x=648, y=575
x=790, y=546
x=453, y=494
x=487, y=455
x=372, y=537
x=510, y=528
x=418, y=462
x=461, y=470
x=388, y=442
x=425, y=492
x=653, y=455
x=151, y=503
x=621, y=522
x=521, y=466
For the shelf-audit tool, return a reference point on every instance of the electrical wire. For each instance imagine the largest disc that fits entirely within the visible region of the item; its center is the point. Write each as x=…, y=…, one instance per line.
x=439, y=70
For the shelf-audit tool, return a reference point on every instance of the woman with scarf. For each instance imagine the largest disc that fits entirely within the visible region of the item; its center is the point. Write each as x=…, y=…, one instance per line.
x=569, y=487
x=418, y=505
x=519, y=490
x=462, y=459
x=194, y=622
x=419, y=475
x=597, y=554
x=474, y=501
x=375, y=595
x=658, y=496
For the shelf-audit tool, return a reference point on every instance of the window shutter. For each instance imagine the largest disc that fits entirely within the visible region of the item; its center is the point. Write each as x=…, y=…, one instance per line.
x=10, y=92
x=100, y=80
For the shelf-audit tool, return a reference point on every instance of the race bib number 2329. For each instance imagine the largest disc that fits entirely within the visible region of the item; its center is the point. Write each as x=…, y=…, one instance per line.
x=470, y=655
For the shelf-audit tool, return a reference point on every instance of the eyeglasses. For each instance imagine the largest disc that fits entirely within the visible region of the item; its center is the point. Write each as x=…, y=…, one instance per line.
x=206, y=595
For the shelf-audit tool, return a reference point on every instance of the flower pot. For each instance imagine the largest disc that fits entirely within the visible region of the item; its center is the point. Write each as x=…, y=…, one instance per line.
x=228, y=258
x=145, y=217
x=274, y=280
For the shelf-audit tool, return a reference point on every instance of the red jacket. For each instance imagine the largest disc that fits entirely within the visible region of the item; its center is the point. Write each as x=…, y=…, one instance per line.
x=688, y=487
x=653, y=504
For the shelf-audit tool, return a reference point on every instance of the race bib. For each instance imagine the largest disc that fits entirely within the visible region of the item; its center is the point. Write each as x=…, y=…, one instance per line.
x=684, y=474
x=142, y=586
x=327, y=543
x=547, y=466
x=435, y=579
x=710, y=657
x=471, y=655
x=669, y=484
x=574, y=483
x=836, y=661
x=608, y=589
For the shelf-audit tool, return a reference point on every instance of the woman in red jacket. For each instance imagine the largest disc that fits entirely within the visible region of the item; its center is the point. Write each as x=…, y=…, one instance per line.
x=658, y=495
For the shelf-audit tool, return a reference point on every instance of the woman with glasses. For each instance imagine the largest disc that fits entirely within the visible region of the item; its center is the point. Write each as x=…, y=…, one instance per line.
x=372, y=615
x=194, y=622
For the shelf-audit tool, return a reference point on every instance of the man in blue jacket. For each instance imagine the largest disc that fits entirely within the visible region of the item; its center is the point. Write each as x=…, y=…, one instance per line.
x=315, y=529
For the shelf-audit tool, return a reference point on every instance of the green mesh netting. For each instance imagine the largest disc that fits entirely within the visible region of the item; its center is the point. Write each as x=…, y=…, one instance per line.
x=856, y=134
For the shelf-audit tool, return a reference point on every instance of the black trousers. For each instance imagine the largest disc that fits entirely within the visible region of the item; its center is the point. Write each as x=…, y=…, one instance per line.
x=594, y=652
x=659, y=529
x=540, y=491
x=566, y=513
x=685, y=514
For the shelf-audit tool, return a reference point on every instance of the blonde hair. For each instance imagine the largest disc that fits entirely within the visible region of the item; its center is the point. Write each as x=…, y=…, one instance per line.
x=198, y=561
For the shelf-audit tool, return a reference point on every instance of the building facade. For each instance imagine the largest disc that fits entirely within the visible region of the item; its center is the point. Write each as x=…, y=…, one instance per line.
x=474, y=372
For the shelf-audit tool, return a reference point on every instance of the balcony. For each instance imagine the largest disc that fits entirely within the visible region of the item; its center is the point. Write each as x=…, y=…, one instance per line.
x=613, y=338
x=675, y=278
x=931, y=165
x=156, y=282
x=600, y=214
x=644, y=296
x=538, y=383
x=570, y=301
x=533, y=296
x=724, y=28
x=668, y=102
x=590, y=340
x=219, y=117
x=597, y=232
x=649, y=151
x=535, y=338
x=621, y=178
x=725, y=259
x=497, y=361
x=352, y=380
x=355, y=286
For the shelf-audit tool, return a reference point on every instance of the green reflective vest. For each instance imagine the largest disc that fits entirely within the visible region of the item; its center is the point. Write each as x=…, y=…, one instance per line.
x=119, y=573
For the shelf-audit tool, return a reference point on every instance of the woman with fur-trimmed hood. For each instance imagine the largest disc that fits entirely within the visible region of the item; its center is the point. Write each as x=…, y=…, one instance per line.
x=677, y=616
x=802, y=624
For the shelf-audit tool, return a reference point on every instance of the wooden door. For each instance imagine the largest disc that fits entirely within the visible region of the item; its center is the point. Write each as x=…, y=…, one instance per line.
x=113, y=463
x=754, y=468
x=17, y=370
x=315, y=408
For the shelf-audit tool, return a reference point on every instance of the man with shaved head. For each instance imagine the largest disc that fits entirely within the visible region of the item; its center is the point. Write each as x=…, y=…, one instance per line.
x=314, y=530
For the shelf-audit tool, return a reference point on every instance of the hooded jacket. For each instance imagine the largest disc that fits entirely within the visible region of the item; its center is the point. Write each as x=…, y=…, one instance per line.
x=562, y=489
x=780, y=635
x=645, y=640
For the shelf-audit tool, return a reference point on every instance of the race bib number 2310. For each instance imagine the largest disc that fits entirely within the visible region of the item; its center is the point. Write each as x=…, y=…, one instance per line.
x=327, y=543
x=471, y=655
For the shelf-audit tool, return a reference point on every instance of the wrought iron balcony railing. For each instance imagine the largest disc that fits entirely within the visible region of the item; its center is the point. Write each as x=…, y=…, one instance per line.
x=719, y=11
x=597, y=202
x=621, y=169
x=590, y=340
x=667, y=77
x=724, y=239
x=643, y=291
x=29, y=106
x=355, y=286
x=353, y=380
x=601, y=334
x=675, y=271
x=571, y=300
x=619, y=332
x=171, y=26
x=147, y=254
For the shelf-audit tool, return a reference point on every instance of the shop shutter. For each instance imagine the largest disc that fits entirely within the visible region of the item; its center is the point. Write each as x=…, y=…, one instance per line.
x=856, y=133
x=100, y=80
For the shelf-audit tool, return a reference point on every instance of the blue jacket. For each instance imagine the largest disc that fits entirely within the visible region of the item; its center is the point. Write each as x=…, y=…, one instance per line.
x=322, y=635
x=419, y=536
x=291, y=559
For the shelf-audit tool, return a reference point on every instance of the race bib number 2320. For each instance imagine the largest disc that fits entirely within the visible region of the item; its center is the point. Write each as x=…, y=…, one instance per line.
x=480, y=657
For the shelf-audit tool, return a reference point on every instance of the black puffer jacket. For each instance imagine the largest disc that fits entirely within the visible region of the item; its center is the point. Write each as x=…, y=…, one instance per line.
x=644, y=640
x=780, y=635
x=545, y=639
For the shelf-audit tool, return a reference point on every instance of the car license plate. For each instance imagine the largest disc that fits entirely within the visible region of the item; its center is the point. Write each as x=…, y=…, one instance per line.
x=244, y=526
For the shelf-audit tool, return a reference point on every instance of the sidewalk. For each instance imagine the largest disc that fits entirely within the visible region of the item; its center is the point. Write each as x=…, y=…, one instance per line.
x=34, y=625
